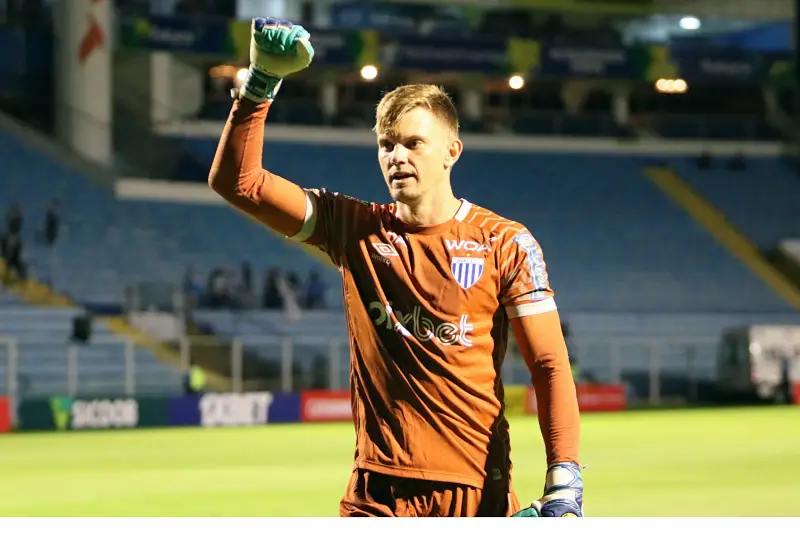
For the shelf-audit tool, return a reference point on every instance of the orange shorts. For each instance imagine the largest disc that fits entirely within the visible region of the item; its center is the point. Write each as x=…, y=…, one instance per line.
x=372, y=494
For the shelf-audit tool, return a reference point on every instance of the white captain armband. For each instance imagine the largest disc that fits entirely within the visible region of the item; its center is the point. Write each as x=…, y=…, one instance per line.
x=310, y=221
x=531, y=308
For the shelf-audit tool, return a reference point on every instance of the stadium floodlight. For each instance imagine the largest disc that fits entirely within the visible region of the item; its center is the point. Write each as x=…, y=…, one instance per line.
x=516, y=82
x=690, y=23
x=676, y=86
x=369, y=72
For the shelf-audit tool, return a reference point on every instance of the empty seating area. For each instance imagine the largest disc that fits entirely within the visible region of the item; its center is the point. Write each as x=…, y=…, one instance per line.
x=761, y=200
x=260, y=324
x=612, y=240
x=107, y=244
x=48, y=363
x=614, y=244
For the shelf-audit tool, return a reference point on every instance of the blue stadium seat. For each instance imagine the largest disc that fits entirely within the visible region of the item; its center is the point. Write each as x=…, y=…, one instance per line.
x=40, y=336
x=762, y=201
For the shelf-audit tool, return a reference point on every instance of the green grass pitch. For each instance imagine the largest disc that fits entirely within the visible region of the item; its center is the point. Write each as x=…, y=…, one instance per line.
x=725, y=462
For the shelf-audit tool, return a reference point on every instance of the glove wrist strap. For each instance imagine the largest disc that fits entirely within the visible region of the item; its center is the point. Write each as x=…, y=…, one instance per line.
x=259, y=87
x=563, y=476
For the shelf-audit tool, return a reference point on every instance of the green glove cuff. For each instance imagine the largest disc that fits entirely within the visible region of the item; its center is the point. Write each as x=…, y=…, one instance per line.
x=259, y=87
x=528, y=512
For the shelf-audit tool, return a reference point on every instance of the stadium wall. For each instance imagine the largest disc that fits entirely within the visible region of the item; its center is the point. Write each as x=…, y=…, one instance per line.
x=65, y=413
x=650, y=152
x=331, y=136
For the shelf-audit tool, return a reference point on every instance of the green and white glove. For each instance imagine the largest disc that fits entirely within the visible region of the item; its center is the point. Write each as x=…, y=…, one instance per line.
x=277, y=48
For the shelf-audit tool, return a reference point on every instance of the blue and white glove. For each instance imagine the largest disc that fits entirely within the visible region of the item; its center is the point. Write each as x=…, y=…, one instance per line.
x=277, y=48
x=563, y=494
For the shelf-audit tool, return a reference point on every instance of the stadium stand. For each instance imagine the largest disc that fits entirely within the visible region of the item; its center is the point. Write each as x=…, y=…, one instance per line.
x=140, y=241
x=613, y=245
x=646, y=271
x=761, y=200
x=41, y=337
x=644, y=257
x=76, y=266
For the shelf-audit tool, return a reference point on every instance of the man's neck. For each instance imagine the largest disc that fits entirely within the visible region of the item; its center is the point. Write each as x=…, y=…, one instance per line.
x=432, y=210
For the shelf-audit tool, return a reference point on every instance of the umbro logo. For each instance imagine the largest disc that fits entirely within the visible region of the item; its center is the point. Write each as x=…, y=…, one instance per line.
x=384, y=249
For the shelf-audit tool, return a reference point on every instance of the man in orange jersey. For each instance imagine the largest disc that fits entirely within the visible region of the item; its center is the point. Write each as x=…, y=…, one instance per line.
x=431, y=284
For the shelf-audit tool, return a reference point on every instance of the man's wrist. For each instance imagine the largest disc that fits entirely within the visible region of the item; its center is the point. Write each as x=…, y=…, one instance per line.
x=563, y=475
x=258, y=86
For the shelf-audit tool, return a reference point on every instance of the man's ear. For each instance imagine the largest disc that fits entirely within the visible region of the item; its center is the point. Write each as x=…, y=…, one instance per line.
x=453, y=153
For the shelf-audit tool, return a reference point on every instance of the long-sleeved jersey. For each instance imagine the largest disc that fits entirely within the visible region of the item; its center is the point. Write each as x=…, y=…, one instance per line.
x=428, y=311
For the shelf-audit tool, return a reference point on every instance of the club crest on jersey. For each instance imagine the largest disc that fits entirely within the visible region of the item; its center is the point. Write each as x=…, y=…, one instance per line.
x=467, y=270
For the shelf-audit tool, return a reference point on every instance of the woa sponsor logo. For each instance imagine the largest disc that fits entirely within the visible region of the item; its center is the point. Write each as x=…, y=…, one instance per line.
x=467, y=246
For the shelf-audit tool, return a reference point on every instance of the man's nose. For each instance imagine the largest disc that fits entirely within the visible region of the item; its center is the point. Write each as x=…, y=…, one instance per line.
x=399, y=155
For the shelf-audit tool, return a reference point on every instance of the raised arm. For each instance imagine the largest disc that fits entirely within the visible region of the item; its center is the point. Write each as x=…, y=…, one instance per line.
x=278, y=48
x=238, y=177
x=319, y=218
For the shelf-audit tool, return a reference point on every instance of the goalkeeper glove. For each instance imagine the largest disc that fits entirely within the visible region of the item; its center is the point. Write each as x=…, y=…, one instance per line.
x=277, y=48
x=563, y=494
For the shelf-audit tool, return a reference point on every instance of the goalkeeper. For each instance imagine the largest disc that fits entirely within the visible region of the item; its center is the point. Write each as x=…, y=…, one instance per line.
x=427, y=320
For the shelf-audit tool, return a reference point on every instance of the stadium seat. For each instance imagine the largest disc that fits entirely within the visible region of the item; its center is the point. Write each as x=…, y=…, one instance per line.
x=41, y=338
x=761, y=200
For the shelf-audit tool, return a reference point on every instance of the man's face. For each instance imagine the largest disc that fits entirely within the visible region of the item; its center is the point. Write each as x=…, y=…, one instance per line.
x=416, y=156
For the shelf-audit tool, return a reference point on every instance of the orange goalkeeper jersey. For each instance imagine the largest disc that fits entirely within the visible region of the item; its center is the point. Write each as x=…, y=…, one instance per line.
x=427, y=312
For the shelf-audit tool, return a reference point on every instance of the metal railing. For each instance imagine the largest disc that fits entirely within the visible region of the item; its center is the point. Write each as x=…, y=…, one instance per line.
x=105, y=366
x=164, y=296
x=655, y=369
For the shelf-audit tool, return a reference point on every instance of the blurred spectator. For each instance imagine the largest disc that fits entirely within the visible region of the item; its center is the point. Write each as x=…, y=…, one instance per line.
x=573, y=356
x=272, y=298
x=704, y=160
x=737, y=162
x=14, y=219
x=81, y=328
x=247, y=278
x=191, y=289
x=12, y=249
x=194, y=381
x=293, y=281
x=52, y=222
x=315, y=291
x=247, y=295
x=218, y=290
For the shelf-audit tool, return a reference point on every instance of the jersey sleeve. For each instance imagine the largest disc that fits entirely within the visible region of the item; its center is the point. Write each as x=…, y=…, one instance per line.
x=332, y=220
x=525, y=287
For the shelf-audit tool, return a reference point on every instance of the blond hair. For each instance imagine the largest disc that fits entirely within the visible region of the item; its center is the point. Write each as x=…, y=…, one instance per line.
x=403, y=99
